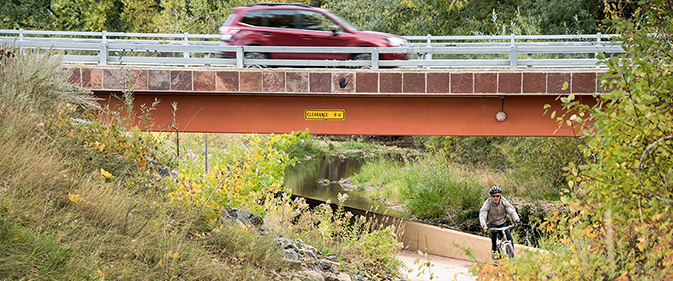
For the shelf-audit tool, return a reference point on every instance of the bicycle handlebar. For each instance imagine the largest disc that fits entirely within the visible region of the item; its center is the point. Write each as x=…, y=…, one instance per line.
x=504, y=228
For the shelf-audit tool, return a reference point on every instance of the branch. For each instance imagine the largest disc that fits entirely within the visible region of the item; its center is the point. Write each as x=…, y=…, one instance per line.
x=148, y=220
x=640, y=165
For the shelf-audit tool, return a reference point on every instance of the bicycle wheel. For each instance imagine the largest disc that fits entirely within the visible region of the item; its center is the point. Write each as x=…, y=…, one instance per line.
x=510, y=251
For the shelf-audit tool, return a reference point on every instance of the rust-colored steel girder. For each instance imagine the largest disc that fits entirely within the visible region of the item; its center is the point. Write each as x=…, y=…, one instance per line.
x=356, y=115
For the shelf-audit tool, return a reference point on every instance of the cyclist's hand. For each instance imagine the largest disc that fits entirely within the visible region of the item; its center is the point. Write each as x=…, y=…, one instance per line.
x=517, y=221
x=485, y=228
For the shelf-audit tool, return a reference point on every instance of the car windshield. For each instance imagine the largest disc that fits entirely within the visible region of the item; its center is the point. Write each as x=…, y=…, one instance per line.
x=347, y=23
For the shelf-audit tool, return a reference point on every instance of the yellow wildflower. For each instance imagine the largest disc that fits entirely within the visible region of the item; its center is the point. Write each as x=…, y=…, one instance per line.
x=74, y=198
x=105, y=174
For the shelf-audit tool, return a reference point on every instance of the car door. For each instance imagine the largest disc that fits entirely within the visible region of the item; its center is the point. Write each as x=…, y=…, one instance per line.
x=317, y=32
x=283, y=30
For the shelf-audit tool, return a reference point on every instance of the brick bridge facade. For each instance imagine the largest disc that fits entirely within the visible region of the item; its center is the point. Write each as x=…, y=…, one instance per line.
x=372, y=102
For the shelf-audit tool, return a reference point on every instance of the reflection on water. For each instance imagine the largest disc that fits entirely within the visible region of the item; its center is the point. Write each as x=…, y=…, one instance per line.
x=304, y=180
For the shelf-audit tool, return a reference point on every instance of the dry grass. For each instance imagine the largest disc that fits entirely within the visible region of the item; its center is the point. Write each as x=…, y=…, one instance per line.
x=60, y=221
x=63, y=218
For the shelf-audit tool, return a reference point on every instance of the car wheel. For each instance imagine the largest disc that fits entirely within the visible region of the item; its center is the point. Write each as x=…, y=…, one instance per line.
x=258, y=56
x=363, y=57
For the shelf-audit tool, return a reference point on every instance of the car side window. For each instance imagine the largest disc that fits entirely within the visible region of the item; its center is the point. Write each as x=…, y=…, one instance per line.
x=282, y=19
x=316, y=21
x=255, y=18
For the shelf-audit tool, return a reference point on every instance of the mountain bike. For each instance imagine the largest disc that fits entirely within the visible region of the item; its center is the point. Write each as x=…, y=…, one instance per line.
x=505, y=246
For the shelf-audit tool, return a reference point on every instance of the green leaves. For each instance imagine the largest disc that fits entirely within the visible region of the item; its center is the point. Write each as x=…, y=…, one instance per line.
x=83, y=15
x=621, y=207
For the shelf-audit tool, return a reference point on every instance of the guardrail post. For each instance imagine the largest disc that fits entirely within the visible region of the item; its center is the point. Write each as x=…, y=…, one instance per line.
x=186, y=54
x=20, y=34
x=429, y=45
x=530, y=57
x=103, y=49
x=375, y=58
x=513, y=53
x=239, y=56
x=598, y=42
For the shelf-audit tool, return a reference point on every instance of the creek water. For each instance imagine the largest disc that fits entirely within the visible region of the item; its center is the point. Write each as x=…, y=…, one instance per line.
x=318, y=179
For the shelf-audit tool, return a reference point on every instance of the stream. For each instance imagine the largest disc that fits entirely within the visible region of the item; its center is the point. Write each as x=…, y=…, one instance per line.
x=309, y=179
x=317, y=180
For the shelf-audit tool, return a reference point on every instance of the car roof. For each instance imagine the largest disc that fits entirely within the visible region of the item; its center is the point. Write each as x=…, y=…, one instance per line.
x=280, y=4
x=273, y=6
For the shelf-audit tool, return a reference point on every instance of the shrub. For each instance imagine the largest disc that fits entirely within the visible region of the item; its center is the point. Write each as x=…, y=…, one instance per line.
x=620, y=222
x=363, y=243
x=431, y=189
x=242, y=179
x=480, y=151
x=541, y=160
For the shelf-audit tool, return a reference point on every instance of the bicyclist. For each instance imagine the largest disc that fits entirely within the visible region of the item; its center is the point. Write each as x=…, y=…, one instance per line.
x=493, y=214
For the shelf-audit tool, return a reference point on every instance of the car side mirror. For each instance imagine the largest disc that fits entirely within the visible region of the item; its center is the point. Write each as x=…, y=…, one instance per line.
x=334, y=29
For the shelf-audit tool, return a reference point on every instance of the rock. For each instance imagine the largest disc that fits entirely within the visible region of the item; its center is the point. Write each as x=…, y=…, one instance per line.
x=256, y=220
x=307, y=253
x=347, y=185
x=304, y=261
x=290, y=254
x=337, y=277
x=313, y=275
x=330, y=276
x=327, y=264
x=294, y=264
x=163, y=170
x=343, y=277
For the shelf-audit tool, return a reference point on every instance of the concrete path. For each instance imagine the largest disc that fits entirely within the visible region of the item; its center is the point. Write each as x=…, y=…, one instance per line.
x=442, y=269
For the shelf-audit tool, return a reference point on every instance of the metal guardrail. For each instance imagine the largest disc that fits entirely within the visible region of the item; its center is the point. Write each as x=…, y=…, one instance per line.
x=515, y=51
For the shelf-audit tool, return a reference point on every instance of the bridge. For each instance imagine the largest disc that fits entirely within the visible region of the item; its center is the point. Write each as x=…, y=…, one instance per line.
x=458, y=86
x=359, y=102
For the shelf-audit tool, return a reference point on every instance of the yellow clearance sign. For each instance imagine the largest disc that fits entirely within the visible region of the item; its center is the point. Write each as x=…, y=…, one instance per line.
x=324, y=114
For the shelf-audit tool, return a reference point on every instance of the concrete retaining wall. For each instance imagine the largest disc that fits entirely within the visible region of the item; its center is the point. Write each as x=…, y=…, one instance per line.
x=449, y=243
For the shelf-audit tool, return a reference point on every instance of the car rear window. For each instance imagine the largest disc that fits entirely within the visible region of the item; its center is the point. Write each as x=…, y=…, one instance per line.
x=282, y=18
x=255, y=18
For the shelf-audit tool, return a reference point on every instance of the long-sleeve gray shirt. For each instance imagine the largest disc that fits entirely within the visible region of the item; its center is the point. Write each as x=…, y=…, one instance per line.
x=496, y=214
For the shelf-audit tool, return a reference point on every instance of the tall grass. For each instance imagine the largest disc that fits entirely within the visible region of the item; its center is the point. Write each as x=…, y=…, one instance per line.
x=380, y=179
x=70, y=211
x=429, y=188
x=62, y=219
x=432, y=188
x=361, y=242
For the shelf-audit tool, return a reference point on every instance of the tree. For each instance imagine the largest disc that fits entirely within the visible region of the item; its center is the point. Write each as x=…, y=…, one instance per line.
x=138, y=15
x=402, y=17
x=198, y=16
x=28, y=14
x=567, y=17
x=84, y=15
x=620, y=224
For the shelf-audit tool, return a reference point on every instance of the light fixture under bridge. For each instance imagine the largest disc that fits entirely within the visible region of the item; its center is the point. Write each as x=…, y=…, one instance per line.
x=501, y=116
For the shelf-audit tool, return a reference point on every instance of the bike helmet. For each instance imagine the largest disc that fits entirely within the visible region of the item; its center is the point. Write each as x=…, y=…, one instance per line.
x=495, y=189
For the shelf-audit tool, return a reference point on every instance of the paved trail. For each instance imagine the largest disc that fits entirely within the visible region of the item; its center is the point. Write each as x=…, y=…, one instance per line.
x=442, y=269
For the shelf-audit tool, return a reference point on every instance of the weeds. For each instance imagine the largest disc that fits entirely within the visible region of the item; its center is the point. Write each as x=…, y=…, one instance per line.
x=70, y=211
x=432, y=188
x=429, y=188
x=361, y=242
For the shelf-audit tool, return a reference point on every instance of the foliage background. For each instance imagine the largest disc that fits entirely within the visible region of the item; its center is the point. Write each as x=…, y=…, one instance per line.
x=619, y=222
x=402, y=17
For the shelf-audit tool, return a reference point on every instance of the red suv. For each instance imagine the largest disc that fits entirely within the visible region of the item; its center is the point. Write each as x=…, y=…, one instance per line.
x=270, y=24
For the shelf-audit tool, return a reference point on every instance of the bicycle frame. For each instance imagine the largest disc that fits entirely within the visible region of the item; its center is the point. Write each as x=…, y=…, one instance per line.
x=505, y=246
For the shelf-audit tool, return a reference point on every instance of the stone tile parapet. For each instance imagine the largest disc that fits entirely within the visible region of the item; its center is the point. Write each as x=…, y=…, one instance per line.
x=341, y=82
